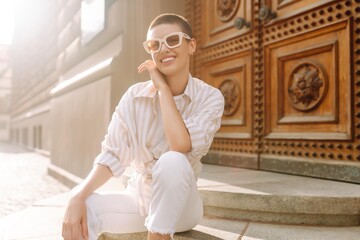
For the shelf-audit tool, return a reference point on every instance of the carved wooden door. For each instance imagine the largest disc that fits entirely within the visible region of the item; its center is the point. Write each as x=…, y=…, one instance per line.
x=308, y=88
x=226, y=37
x=289, y=71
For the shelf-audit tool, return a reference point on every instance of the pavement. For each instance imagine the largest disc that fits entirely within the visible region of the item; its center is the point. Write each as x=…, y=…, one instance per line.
x=24, y=179
x=37, y=204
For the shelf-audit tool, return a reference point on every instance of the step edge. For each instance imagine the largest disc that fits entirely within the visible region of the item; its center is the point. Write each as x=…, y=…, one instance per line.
x=283, y=218
x=332, y=205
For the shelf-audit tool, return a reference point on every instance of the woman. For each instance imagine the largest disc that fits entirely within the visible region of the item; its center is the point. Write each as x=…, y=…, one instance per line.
x=162, y=128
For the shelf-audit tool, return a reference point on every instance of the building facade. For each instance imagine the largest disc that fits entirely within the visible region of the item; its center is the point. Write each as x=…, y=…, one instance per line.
x=33, y=59
x=5, y=92
x=72, y=62
x=289, y=72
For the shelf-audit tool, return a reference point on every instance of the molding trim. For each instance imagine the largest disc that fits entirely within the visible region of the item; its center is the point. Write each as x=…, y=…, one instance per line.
x=88, y=76
x=32, y=113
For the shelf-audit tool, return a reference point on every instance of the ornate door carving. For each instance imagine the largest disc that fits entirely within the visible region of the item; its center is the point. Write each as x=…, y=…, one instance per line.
x=289, y=71
x=308, y=82
x=226, y=36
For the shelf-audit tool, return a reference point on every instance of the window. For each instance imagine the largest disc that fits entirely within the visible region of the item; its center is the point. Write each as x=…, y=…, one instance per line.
x=92, y=19
x=37, y=132
x=34, y=137
x=40, y=135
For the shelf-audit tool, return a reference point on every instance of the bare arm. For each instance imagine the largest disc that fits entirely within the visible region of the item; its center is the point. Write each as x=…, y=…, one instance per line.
x=175, y=130
x=98, y=176
x=75, y=219
x=176, y=133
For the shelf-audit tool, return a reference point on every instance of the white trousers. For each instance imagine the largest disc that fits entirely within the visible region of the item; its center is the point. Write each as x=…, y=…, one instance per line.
x=175, y=205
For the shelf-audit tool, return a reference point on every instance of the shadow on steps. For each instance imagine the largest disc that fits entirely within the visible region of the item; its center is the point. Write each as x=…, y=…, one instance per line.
x=189, y=235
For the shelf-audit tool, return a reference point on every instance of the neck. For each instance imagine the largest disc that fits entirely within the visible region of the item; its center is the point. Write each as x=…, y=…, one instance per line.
x=178, y=82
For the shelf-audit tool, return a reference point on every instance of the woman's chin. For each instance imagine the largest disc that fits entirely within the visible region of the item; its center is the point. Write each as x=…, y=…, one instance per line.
x=167, y=71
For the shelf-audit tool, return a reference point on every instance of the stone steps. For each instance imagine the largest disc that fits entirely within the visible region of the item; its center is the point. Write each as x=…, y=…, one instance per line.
x=235, y=199
x=250, y=195
x=261, y=196
x=208, y=229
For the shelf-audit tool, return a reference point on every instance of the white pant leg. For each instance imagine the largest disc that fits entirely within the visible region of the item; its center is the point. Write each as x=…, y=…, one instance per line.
x=175, y=204
x=113, y=212
x=193, y=211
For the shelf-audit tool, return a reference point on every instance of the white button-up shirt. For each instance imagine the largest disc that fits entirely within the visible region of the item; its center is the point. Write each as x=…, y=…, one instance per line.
x=136, y=135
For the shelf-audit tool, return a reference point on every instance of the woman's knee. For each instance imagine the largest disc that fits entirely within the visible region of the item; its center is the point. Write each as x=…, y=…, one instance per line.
x=172, y=165
x=172, y=162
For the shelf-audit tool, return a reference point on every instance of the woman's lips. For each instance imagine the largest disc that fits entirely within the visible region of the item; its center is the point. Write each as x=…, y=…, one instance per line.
x=167, y=59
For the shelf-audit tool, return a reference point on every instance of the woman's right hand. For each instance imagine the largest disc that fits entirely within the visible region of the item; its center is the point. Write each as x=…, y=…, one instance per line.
x=74, y=225
x=156, y=76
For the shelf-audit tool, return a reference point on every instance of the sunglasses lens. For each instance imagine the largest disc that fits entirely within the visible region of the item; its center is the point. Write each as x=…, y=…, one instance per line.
x=153, y=45
x=173, y=41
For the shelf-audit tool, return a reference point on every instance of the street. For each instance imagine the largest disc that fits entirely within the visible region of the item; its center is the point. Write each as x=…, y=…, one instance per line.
x=24, y=179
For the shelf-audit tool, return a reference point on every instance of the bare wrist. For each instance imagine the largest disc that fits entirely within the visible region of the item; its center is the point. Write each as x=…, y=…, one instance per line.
x=163, y=88
x=78, y=193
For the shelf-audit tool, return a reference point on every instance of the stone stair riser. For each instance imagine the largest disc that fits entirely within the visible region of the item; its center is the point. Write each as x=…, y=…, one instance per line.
x=283, y=218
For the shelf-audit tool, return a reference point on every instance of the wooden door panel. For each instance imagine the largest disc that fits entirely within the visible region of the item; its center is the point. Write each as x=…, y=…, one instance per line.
x=233, y=76
x=306, y=88
x=291, y=83
x=225, y=58
x=287, y=8
x=219, y=17
x=310, y=132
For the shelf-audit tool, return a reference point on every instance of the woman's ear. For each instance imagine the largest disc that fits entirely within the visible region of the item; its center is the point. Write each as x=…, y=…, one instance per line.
x=192, y=46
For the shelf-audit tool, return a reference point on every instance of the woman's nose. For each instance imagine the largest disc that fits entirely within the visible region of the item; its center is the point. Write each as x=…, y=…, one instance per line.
x=163, y=47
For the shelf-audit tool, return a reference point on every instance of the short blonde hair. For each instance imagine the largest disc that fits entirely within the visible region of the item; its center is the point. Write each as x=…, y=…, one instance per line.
x=172, y=18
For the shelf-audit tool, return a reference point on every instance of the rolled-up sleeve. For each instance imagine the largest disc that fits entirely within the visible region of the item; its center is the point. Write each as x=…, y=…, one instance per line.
x=204, y=123
x=115, y=148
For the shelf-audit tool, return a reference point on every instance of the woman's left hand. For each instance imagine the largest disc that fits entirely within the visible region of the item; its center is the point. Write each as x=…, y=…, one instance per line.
x=156, y=76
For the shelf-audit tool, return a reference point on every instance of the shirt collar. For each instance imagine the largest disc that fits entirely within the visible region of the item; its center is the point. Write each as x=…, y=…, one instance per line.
x=150, y=91
x=190, y=88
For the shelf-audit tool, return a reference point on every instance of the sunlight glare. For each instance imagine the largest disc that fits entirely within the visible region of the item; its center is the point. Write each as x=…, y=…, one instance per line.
x=6, y=21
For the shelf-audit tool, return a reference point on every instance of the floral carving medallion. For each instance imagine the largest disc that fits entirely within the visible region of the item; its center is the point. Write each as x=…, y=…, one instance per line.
x=226, y=9
x=307, y=87
x=231, y=92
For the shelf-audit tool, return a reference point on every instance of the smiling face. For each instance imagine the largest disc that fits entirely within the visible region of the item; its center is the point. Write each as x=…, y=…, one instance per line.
x=171, y=61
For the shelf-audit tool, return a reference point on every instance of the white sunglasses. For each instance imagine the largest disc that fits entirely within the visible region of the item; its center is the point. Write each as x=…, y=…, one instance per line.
x=172, y=40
